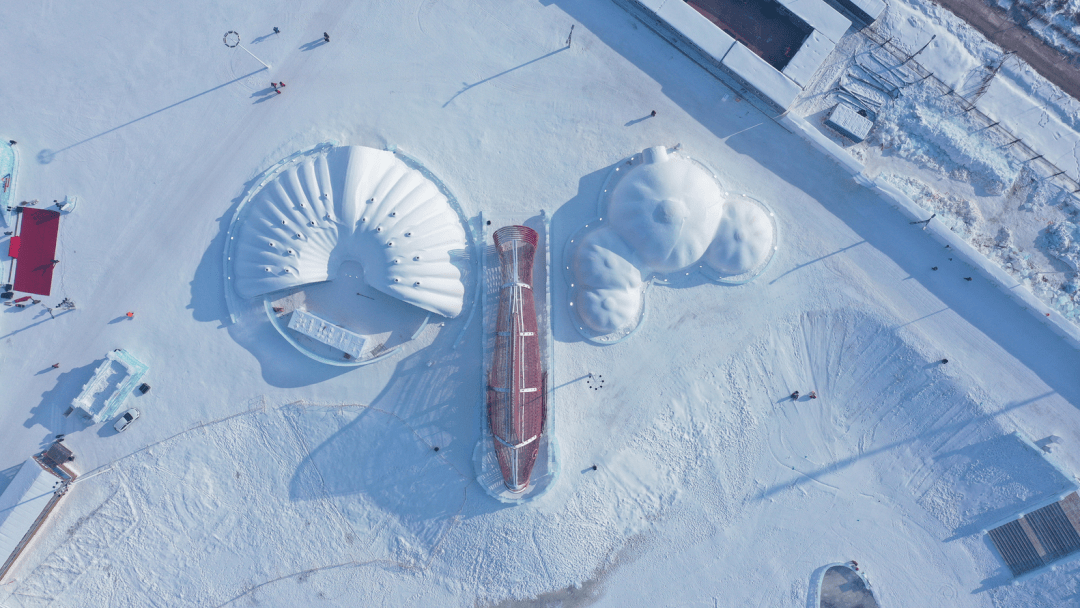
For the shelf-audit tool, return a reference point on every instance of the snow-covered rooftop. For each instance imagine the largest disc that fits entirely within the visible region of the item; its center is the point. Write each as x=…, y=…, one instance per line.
x=21, y=502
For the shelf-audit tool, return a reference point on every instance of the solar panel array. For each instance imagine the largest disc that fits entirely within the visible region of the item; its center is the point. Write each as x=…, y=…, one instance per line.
x=1040, y=537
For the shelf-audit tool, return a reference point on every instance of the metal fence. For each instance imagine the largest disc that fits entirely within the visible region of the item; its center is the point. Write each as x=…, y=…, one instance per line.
x=965, y=102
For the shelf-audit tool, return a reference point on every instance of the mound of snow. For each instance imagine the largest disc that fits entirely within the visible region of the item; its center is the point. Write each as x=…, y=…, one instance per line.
x=665, y=213
x=745, y=240
x=610, y=294
x=668, y=209
x=1063, y=241
x=920, y=127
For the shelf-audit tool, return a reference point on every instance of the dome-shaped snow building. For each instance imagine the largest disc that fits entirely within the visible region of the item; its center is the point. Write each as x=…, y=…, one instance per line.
x=660, y=213
x=350, y=249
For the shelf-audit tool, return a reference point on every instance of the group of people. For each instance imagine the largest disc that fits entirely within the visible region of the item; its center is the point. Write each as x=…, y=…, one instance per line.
x=795, y=395
x=22, y=302
x=277, y=86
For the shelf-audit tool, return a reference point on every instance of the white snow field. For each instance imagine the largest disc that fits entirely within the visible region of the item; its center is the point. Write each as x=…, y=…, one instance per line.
x=258, y=476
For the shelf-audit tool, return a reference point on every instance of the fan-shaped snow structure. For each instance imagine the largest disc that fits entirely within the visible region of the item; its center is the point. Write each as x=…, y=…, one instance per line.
x=351, y=203
x=660, y=212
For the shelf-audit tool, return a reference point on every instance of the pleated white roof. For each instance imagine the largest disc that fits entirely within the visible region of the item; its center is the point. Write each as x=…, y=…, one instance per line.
x=352, y=203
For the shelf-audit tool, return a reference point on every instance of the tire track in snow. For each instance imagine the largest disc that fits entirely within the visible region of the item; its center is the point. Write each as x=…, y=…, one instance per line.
x=86, y=545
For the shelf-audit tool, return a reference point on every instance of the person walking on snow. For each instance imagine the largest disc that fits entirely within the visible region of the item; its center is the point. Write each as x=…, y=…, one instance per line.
x=326, y=37
x=795, y=396
x=131, y=315
x=276, y=30
x=813, y=395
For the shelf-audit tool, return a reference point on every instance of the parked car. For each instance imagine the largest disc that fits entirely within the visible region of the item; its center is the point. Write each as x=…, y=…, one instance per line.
x=123, y=422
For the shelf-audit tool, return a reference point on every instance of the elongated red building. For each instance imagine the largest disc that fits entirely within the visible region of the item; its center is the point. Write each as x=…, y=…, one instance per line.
x=516, y=395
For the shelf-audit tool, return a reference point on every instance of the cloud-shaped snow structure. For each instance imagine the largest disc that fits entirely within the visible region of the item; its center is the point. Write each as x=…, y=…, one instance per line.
x=664, y=213
x=745, y=238
x=351, y=203
x=667, y=209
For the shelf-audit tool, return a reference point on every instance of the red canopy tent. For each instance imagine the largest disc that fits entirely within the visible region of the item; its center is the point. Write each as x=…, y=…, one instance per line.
x=35, y=250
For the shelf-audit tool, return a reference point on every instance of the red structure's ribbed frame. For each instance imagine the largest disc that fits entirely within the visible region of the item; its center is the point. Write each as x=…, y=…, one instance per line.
x=516, y=395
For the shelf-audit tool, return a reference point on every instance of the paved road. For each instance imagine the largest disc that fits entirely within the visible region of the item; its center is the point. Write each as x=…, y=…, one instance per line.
x=996, y=25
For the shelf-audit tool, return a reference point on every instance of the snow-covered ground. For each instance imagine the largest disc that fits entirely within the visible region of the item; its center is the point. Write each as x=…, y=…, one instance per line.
x=966, y=166
x=259, y=476
x=1053, y=21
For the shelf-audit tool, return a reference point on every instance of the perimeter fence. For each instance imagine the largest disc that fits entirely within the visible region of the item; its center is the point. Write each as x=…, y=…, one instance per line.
x=900, y=68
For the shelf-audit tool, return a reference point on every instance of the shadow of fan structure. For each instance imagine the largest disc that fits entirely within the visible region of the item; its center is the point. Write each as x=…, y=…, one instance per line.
x=383, y=478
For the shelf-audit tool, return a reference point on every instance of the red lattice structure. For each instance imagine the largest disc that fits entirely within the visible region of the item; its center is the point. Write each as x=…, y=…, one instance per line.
x=516, y=394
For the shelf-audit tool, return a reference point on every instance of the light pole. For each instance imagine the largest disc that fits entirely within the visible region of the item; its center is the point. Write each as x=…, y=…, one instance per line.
x=232, y=40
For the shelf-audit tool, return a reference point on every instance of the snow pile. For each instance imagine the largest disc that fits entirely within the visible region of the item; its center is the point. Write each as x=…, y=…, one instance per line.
x=744, y=241
x=960, y=214
x=351, y=203
x=926, y=128
x=611, y=285
x=666, y=213
x=667, y=209
x=1063, y=241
